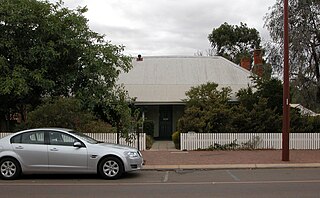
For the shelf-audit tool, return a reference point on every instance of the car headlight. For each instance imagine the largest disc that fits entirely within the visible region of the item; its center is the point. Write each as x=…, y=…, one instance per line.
x=131, y=154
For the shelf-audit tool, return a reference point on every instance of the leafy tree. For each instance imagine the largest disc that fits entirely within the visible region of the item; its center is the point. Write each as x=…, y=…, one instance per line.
x=258, y=110
x=272, y=90
x=206, y=109
x=65, y=113
x=260, y=107
x=304, y=38
x=49, y=50
x=269, y=89
x=263, y=118
x=259, y=119
x=121, y=113
x=233, y=42
x=247, y=98
x=241, y=121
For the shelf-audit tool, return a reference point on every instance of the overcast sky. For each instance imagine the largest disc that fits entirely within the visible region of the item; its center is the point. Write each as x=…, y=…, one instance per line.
x=169, y=27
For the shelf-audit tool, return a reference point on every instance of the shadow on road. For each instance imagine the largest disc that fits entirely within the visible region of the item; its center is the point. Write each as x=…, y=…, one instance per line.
x=132, y=175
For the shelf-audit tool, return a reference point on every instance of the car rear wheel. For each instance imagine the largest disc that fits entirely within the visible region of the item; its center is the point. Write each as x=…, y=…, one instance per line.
x=110, y=168
x=10, y=168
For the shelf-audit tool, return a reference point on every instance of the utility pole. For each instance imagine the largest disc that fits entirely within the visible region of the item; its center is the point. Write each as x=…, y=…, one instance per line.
x=286, y=86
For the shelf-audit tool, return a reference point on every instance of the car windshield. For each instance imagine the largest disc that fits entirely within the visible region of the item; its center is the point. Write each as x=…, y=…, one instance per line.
x=85, y=137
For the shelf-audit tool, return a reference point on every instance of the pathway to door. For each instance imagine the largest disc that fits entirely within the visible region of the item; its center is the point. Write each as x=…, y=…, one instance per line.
x=163, y=145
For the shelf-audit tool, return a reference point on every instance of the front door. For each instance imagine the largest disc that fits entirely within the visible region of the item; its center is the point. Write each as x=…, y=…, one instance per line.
x=165, y=122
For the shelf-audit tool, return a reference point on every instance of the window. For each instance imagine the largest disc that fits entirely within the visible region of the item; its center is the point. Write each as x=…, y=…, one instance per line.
x=16, y=139
x=34, y=137
x=57, y=138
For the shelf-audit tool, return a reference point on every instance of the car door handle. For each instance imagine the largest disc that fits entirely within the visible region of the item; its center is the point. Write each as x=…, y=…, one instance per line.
x=54, y=149
x=19, y=147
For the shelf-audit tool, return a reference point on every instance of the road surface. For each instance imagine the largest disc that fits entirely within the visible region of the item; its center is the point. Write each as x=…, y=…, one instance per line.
x=238, y=183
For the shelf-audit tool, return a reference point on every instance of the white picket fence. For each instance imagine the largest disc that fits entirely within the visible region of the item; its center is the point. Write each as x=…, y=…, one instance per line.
x=112, y=138
x=194, y=141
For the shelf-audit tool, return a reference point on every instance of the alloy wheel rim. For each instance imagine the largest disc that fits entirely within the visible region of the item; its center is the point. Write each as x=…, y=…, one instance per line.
x=8, y=168
x=111, y=168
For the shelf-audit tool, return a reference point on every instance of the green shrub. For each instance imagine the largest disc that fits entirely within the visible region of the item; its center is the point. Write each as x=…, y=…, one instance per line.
x=230, y=146
x=97, y=126
x=252, y=143
x=315, y=123
x=149, y=142
x=65, y=113
x=176, y=139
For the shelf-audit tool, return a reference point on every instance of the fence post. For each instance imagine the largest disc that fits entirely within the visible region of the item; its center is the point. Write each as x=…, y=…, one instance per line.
x=138, y=136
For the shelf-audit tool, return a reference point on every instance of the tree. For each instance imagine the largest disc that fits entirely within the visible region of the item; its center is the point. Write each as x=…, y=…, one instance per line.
x=304, y=38
x=257, y=110
x=49, y=50
x=269, y=89
x=260, y=107
x=233, y=42
x=119, y=112
x=206, y=109
x=66, y=113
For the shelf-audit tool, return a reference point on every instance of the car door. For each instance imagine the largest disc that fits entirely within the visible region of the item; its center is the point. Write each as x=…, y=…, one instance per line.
x=63, y=155
x=32, y=150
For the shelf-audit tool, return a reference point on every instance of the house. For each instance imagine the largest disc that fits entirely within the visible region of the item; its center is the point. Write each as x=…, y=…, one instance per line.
x=159, y=84
x=303, y=110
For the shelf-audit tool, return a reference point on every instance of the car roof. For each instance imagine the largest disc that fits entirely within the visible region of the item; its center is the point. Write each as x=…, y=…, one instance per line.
x=46, y=129
x=50, y=128
x=38, y=129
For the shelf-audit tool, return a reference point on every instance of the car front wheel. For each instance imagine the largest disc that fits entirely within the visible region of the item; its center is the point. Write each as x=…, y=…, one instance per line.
x=10, y=168
x=110, y=168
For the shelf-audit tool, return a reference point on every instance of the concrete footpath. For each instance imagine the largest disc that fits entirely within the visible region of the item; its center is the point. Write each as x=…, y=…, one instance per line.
x=171, y=159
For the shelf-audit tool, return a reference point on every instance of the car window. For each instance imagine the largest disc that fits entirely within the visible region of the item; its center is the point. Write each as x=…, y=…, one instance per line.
x=16, y=139
x=58, y=138
x=85, y=137
x=33, y=137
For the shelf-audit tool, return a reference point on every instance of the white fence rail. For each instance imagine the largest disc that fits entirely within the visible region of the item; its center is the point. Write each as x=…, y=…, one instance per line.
x=194, y=141
x=112, y=138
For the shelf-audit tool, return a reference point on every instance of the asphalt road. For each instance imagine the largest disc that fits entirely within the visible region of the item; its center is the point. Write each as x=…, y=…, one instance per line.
x=180, y=183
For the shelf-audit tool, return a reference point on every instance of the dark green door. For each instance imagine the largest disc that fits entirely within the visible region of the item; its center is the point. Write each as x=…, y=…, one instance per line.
x=165, y=122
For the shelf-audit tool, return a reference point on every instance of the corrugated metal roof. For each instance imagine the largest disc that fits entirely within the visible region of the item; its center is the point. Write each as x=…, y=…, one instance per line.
x=165, y=79
x=304, y=110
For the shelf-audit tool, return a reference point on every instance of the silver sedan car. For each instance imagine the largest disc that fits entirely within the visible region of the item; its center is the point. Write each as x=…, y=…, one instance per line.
x=53, y=150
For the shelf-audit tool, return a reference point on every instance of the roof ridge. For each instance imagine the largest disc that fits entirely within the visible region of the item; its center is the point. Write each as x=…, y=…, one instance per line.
x=179, y=56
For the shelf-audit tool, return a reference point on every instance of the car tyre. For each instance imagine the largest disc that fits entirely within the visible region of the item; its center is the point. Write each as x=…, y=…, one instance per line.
x=9, y=169
x=111, y=168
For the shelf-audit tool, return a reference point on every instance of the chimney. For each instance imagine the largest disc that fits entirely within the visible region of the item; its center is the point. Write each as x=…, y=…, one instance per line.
x=139, y=58
x=245, y=63
x=258, y=63
x=257, y=57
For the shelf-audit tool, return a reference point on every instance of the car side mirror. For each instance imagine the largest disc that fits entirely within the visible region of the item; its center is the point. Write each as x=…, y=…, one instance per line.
x=77, y=144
